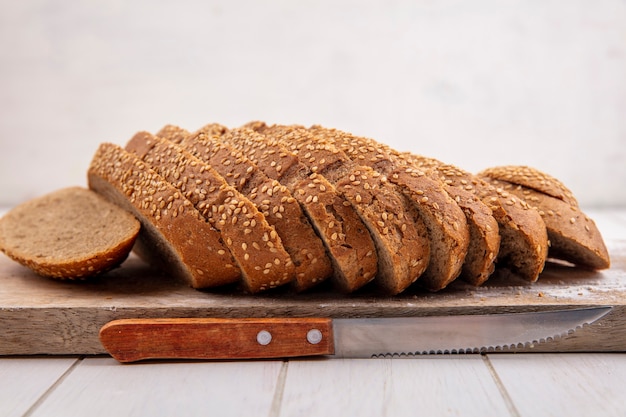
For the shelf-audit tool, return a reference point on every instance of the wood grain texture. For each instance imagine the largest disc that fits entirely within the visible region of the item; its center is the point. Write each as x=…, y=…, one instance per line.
x=432, y=386
x=103, y=387
x=23, y=381
x=564, y=385
x=138, y=339
x=40, y=315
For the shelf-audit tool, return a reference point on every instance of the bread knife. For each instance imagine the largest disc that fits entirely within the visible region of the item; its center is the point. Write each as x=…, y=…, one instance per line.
x=130, y=340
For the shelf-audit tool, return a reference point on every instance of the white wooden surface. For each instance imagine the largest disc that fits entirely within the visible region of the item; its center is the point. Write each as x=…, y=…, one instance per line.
x=515, y=385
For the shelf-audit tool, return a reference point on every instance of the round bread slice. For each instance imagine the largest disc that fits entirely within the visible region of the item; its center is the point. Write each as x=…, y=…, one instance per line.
x=71, y=233
x=573, y=236
x=174, y=235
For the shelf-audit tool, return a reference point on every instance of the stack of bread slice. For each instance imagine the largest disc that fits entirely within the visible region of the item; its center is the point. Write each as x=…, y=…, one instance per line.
x=267, y=206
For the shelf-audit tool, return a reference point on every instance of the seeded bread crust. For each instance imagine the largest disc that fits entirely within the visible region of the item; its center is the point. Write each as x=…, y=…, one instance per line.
x=346, y=238
x=174, y=235
x=523, y=237
x=533, y=179
x=573, y=236
x=254, y=244
x=446, y=223
x=275, y=201
x=72, y=233
x=399, y=236
x=173, y=133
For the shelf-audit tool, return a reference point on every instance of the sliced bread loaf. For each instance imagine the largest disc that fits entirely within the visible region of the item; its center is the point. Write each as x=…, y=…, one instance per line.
x=174, y=235
x=254, y=244
x=274, y=201
x=70, y=233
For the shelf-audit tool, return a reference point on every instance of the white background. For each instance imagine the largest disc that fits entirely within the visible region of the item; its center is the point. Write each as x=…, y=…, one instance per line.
x=476, y=83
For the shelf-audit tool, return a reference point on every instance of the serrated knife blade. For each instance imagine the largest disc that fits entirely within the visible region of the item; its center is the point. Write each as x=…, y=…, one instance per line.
x=364, y=338
x=129, y=340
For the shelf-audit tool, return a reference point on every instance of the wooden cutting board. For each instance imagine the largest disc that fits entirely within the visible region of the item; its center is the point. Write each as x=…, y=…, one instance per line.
x=44, y=316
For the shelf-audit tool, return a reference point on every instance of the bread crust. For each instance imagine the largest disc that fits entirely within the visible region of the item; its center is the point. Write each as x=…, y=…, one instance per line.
x=533, y=179
x=242, y=226
x=68, y=234
x=174, y=235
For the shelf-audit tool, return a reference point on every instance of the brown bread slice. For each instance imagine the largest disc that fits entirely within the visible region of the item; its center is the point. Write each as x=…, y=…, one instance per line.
x=523, y=236
x=484, y=240
x=71, y=233
x=532, y=178
x=399, y=236
x=174, y=235
x=254, y=244
x=340, y=227
x=573, y=236
x=275, y=201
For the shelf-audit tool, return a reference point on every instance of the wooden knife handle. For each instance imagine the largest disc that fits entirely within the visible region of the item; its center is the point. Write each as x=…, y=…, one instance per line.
x=129, y=340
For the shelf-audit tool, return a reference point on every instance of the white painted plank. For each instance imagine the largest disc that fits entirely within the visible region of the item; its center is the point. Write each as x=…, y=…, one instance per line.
x=564, y=385
x=103, y=387
x=429, y=386
x=24, y=380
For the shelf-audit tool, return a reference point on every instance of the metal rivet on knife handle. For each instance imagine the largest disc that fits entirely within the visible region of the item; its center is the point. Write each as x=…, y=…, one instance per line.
x=129, y=340
x=264, y=337
x=314, y=336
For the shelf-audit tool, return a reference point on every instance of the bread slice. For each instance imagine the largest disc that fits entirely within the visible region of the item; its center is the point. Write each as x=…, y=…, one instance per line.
x=70, y=233
x=445, y=223
x=275, y=201
x=533, y=179
x=174, y=235
x=573, y=236
x=254, y=244
x=398, y=233
x=344, y=234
